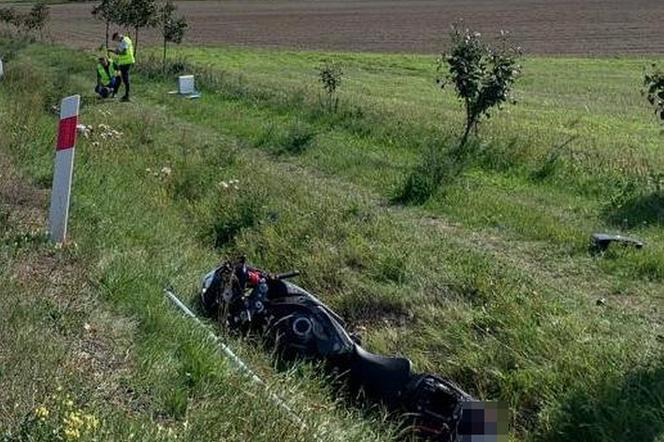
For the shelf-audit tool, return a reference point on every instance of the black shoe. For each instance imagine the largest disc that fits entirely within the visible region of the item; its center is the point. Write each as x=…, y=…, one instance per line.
x=125, y=99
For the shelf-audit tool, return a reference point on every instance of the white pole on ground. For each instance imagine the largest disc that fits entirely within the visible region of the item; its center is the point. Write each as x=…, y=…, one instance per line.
x=2, y=71
x=64, y=167
x=239, y=364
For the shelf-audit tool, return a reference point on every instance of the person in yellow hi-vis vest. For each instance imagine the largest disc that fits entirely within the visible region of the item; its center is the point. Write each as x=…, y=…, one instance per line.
x=108, y=78
x=125, y=59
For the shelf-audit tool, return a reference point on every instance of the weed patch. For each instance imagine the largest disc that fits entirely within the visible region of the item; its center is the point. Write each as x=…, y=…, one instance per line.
x=438, y=169
x=638, y=212
x=234, y=212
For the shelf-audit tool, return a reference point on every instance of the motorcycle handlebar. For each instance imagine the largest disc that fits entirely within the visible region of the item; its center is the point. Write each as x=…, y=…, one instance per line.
x=287, y=274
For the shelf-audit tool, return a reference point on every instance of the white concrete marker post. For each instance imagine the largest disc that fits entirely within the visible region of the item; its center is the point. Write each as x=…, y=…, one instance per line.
x=64, y=167
x=2, y=72
x=186, y=84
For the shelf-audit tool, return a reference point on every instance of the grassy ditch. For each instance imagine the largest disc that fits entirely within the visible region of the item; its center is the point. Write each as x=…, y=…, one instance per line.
x=510, y=311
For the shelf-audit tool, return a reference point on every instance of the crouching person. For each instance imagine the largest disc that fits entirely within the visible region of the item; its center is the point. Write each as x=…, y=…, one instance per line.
x=108, y=78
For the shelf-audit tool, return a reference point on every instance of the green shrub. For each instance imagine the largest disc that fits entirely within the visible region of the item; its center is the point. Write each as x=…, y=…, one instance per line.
x=438, y=167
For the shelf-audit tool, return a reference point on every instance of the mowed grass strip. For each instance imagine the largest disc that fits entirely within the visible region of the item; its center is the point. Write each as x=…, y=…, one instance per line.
x=458, y=303
x=578, y=154
x=514, y=187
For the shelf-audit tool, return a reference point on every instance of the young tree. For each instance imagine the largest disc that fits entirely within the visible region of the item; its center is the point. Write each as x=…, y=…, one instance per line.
x=654, y=90
x=330, y=75
x=172, y=27
x=482, y=75
x=37, y=17
x=138, y=14
x=109, y=12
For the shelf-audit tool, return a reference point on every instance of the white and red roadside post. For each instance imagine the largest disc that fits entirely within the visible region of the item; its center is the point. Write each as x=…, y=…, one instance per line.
x=64, y=167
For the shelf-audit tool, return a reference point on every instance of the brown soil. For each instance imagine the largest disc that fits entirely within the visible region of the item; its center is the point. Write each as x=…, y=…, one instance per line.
x=572, y=27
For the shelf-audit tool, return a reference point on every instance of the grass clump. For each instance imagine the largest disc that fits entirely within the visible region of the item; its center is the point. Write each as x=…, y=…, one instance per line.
x=438, y=168
x=235, y=212
x=293, y=138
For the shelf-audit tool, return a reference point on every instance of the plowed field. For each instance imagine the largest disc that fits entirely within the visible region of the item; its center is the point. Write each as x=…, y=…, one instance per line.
x=570, y=27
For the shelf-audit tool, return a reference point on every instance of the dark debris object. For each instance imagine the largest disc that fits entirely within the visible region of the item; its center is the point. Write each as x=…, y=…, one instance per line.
x=602, y=241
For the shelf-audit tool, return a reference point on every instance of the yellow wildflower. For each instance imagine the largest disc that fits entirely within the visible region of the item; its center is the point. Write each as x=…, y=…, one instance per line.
x=91, y=422
x=72, y=433
x=73, y=420
x=42, y=413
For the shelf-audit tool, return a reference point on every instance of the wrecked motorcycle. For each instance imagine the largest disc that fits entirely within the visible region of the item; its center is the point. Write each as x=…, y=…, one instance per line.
x=297, y=325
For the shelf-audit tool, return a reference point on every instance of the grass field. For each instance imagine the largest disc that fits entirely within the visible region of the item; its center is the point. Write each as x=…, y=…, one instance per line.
x=489, y=282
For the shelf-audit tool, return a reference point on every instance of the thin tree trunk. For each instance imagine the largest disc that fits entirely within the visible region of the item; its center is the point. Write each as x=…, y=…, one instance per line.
x=108, y=24
x=136, y=41
x=164, y=58
x=469, y=125
x=466, y=133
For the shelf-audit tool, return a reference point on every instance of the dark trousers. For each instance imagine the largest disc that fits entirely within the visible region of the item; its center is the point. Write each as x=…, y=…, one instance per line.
x=124, y=73
x=112, y=87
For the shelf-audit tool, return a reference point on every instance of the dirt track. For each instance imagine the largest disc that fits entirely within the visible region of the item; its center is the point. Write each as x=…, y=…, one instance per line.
x=578, y=27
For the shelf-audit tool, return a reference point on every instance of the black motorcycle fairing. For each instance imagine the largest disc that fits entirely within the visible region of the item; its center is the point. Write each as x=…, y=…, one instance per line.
x=300, y=327
x=281, y=289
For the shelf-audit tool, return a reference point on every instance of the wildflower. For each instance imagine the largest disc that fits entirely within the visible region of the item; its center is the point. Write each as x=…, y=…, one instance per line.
x=42, y=413
x=73, y=420
x=72, y=433
x=166, y=170
x=91, y=422
x=87, y=327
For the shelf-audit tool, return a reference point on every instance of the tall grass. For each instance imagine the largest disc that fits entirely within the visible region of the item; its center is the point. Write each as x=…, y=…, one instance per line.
x=130, y=236
x=506, y=316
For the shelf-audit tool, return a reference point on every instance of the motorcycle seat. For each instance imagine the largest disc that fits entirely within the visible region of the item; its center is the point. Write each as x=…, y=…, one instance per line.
x=382, y=377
